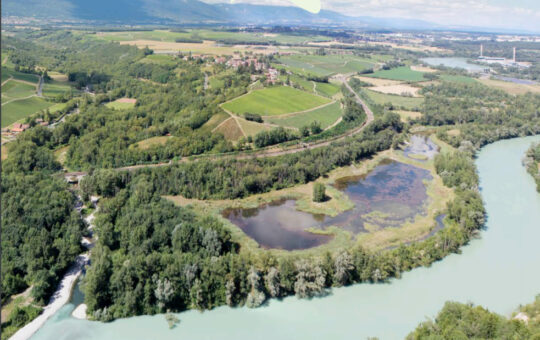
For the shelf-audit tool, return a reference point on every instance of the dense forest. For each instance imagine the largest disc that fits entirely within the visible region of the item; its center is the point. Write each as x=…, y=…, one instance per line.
x=147, y=268
x=465, y=321
x=532, y=162
x=482, y=115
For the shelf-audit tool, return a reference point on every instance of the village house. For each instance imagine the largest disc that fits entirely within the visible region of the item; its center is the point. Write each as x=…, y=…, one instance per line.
x=18, y=127
x=272, y=75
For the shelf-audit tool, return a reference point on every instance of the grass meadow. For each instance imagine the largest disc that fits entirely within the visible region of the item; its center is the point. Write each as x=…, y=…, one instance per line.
x=12, y=112
x=403, y=73
x=325, y=115
x=275, y=101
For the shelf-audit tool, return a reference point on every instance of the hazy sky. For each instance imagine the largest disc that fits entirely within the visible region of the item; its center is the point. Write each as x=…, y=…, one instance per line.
x=517, y=14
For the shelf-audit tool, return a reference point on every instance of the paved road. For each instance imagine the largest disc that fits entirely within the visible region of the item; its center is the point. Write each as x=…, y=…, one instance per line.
x=272, y=152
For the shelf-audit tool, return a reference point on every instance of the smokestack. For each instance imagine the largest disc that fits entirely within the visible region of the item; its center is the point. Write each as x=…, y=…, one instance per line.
x=481, y=50
x=514, y=54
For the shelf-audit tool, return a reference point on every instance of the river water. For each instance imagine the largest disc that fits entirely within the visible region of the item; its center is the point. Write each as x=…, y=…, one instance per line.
x=499, y=270
x=454, y=62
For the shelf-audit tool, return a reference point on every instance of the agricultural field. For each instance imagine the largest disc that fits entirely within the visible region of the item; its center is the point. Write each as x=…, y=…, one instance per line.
x=230, y=130
x=275, y=101
x=252, y=128
x=53, y=88
x=457, y=79
x=379, y=82
x=214, y=122
x=202, y=34
x=326, y=116
x=327, y=89
x=403, y=73
x=325, y=65
x=398, y=89
x=13, y=90
x=509, y=87
x=8, y=72
x=408, y=103
x=13, y=111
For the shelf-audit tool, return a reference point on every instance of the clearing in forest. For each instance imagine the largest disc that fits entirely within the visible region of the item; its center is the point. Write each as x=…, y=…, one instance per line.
x=407, y=115
x=403, y=73
x=275, y=101
x=122, y=103
x=150, y=142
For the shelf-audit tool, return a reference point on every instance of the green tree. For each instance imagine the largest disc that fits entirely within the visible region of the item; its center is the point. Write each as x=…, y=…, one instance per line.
x=319, y=192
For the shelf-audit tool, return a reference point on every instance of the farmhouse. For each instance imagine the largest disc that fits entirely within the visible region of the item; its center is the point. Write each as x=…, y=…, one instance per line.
x=272, y=75
x=18, y=127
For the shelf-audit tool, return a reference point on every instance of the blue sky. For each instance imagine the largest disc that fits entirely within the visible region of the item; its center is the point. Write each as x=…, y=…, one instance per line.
x=509, y=14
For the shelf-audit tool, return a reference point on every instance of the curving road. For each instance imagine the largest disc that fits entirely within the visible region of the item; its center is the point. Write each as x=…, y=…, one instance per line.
x=272, y=152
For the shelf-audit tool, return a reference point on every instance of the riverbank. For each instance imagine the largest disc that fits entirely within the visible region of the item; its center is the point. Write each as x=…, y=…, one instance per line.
x=389, y=311
x=58, y=300
x=63, y=293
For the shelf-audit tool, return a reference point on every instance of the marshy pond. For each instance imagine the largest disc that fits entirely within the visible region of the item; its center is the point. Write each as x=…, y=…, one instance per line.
x=388, y=196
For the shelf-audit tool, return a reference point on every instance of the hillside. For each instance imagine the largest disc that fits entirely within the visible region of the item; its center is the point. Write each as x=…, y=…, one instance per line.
x=163, y=12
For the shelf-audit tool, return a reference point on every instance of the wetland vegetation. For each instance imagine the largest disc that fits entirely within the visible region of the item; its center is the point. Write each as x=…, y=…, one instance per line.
x=373, y=200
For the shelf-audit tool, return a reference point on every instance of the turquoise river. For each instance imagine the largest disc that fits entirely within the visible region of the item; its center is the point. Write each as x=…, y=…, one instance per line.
x=498, y=270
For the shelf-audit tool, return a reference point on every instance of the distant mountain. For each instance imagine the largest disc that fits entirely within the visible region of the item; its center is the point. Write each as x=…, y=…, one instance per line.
x=188, y=11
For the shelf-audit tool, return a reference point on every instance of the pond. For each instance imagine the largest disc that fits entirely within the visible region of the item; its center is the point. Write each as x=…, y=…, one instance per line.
x=454, y=62
x=496, y=270
x=388, y=196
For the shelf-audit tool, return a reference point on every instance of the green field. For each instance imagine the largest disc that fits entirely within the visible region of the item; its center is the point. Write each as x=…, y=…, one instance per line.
x=8, y=72
x=19, y=109
x=325, y=115
x=327, y=89
x=325, y=65
x=14, y=90
x=275, y=101
x=406, y=102
x=54, y=88
x=57, y=107
x=403, y=73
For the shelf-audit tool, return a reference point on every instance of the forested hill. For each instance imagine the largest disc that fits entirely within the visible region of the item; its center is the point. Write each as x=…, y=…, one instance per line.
x=164, y=12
